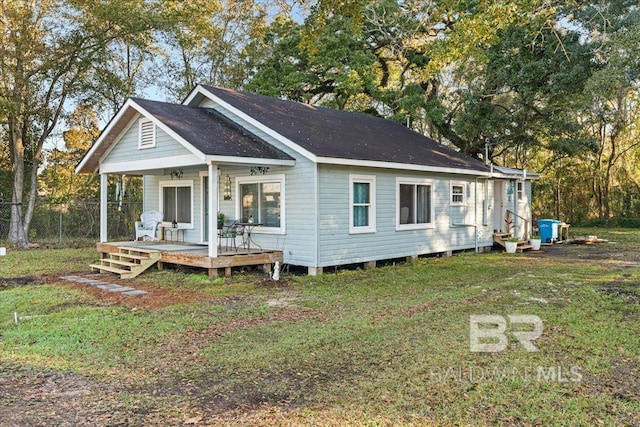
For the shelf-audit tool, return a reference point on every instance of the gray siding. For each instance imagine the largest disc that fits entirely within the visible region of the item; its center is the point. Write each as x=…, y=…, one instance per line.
x=299, y=244
x=152, y=200
x=317, y=206
x=452, y=225
x=126, y=149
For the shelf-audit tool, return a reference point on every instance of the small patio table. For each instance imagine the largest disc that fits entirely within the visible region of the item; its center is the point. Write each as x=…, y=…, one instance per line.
x=249, y=226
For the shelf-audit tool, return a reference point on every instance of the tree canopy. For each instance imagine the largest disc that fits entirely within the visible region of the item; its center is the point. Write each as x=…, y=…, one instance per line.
x=548, y=86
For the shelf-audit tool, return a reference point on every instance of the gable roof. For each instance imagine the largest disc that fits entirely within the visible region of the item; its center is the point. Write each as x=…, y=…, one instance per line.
x=336, y=134
x=210, y=132
x=203, y=131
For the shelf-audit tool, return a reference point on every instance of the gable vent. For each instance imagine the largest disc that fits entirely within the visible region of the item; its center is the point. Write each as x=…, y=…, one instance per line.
x=147, y=137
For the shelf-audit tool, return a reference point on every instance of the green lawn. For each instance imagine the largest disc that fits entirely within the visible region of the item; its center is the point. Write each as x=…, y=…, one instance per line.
x=388, y=346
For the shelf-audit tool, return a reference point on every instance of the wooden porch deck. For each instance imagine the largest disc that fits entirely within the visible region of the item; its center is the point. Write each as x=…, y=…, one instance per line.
x=195, y=255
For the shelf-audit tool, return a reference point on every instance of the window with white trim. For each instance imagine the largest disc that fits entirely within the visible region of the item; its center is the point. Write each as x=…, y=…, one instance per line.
x=362, y=204
x=176, y=200
x=458, y=193
x=262, y=201
x=519, y=190
x=146, y=134
x=414, y=204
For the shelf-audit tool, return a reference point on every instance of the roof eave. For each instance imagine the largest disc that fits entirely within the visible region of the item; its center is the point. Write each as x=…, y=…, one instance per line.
x=402, y=166
x=249, y=160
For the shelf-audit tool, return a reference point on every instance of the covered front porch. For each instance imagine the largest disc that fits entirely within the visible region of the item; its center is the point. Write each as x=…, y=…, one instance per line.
x=195, y=255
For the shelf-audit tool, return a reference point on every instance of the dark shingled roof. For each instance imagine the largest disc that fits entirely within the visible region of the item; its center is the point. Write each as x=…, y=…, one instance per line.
x=340, y=134
x=210, y=132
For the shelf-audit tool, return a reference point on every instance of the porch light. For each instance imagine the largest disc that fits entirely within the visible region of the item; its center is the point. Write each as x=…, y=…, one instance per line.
x=227, y=187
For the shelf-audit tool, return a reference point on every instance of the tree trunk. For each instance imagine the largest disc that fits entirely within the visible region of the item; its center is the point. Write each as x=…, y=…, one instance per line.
x=17, y=230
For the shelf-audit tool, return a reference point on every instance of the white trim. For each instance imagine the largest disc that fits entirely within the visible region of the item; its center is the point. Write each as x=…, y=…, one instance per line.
x=415, y=181
x=212, y=241
x=104, y=198
x=252, y=121
x=401, y=166
x=367, y=179
x=249, y=160
x=258, y=179
x=143, y=133
x=181, y=183
x=461, y=184
x=202, y=176
x=151, y=164
x=183, y=161
x=520, y=191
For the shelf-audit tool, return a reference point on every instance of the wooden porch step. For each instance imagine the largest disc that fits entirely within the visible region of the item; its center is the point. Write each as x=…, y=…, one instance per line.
x=523, y=247
x=102, y=268
x=501, y=238
x=129, y=256
x=109, y=261
x=128, y=262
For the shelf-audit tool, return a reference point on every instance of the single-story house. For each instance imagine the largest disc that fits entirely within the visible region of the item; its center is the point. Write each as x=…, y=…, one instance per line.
x=325, y=187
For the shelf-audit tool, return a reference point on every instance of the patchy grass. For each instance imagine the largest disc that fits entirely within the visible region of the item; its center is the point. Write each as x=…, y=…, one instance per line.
x=388, y=346
x=34, y=262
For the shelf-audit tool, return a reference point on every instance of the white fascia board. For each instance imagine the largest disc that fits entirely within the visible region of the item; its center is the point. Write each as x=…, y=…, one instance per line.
x=151, y=164
x=530, y=176
x=248, y=161
x=292, y=145
x=104, y=134
x=401, y=166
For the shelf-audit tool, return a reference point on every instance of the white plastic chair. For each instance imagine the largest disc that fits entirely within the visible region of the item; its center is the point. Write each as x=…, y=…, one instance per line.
x=148, y=225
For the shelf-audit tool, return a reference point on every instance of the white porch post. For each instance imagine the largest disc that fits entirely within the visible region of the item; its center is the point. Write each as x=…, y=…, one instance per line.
x=213, y=210
x=104, y=188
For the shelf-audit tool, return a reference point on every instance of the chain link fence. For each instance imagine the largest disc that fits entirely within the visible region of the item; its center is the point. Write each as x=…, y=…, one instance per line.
x=77, y=220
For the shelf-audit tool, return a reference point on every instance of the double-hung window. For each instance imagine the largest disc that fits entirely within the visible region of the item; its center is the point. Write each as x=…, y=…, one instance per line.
x=176, y=200
x=458, y=193
x=520, y=190
x=262, y=201
x=414, y=208
x=362, y=204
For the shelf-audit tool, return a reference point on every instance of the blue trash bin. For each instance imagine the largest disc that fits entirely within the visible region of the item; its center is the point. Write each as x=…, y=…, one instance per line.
x=548, y=230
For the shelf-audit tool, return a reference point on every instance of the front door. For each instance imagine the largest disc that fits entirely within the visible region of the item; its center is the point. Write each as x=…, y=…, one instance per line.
x=498, y=205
